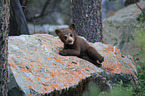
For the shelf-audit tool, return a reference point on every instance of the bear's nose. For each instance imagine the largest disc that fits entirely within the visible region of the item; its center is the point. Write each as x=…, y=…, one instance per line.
x=69, y=41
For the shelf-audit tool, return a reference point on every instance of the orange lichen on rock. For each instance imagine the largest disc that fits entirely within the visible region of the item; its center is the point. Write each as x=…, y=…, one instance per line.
x=55, y=85
x=20, y=63
x=45, y=88
x=65, y=85
x=137, y=13
x=12, y=65
x=30, y=69
x=28, y=79
x=71, y=72
x=38, y=79
x=57, y=60
x=23, y=69
x=52, y=63
x=29, y=87
x=52, y=74
x=48, y=58
x=36, y=49
x=11, y=62
x=109, y=48
x=88, y=68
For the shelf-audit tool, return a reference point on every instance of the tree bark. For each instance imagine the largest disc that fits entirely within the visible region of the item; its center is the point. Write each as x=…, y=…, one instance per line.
x=14, y=30
x=5, y=14
x=87, y=17
x=20, y=18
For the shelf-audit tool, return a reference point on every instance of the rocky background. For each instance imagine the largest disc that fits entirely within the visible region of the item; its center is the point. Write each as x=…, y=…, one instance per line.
x=60, y=12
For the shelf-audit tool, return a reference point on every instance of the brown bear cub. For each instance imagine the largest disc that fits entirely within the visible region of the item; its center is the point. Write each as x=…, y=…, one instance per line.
x=77, y=46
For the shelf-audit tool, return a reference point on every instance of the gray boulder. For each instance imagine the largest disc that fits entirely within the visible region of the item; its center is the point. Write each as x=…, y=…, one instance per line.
x=110, y=7
x=120, y=29
x=36, y=68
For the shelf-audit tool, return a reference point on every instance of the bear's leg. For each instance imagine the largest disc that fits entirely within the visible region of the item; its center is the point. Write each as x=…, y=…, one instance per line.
x=92, y=53
x=86, y=57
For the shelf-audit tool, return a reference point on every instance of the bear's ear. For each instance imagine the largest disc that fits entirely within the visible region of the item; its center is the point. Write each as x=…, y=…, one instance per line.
x=72, y=27
x=57, y=31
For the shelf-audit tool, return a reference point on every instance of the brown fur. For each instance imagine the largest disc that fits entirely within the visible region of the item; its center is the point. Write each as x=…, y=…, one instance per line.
x=76, y=46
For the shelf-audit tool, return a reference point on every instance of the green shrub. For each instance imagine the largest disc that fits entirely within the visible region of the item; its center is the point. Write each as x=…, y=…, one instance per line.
x=117, y=90
x=92, y=90
x=140, y=37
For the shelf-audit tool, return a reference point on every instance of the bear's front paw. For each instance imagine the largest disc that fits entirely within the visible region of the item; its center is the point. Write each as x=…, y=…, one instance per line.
x=63, y=52
x=101, y=60
x=98, y=64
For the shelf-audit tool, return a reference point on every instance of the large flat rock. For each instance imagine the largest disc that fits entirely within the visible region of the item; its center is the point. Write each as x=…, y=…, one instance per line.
x=36, y=68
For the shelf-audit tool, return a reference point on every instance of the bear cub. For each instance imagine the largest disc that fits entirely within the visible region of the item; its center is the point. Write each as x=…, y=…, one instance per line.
x=77, y=46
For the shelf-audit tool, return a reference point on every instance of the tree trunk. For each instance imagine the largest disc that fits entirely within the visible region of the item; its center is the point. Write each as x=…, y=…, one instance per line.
x=20, y=18
x=14, y=30
x=87, y=16
x=5, y=14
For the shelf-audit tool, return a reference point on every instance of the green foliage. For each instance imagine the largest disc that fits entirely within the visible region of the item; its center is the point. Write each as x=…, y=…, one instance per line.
x=141, y=18
x=117, y=90
x=93, y=90
x=31, y=2
x=140, y=37
x=141, y=81
x=117, y=27
x=116, y=41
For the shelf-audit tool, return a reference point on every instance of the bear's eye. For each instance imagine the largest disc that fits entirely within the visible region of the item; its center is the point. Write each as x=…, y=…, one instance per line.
x=65, y=37
x=71, y=35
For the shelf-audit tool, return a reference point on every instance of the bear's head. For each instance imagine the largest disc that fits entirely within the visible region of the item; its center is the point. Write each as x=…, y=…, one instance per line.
x=67, y=36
